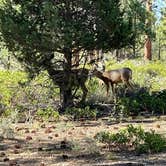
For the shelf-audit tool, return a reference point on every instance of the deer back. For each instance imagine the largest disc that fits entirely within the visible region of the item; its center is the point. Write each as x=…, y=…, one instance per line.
x=118, y=75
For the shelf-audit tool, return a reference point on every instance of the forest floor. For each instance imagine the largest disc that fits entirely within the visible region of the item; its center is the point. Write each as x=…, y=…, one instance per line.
x=68, y=143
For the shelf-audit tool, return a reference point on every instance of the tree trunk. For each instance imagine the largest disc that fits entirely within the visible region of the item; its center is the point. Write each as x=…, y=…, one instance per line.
x=67, y=98
x=135, y=32
x=117, y=54
x=148, y=43
x=148, y=49
x=8, y=62
x=76, y=59
x=159, y=51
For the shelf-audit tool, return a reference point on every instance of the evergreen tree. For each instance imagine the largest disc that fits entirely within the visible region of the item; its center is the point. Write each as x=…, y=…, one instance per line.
x=37, y=30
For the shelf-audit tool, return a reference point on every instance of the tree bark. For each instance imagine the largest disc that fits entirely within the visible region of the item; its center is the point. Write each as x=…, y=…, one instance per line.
x=117, y=54
x=148, y=43
x=148, y=49
x=159, y=50
x=67, y=98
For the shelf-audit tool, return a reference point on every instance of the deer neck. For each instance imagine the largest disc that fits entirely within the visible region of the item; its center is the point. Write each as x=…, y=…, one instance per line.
x=99, y=74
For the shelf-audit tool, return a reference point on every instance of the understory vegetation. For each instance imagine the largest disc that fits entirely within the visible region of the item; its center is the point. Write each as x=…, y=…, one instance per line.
x=148, y=93
x=39, y=95
x=37, y=100
x=133, y=138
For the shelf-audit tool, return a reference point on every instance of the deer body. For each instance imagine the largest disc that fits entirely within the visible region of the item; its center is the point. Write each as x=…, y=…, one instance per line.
x=114, y=77
x=78, y=78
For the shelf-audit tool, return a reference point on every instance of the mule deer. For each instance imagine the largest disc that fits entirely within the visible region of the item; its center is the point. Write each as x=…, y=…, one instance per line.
x=78, y=79
x=114, y=77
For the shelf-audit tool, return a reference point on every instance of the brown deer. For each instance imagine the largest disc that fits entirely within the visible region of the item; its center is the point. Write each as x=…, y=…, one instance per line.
x=77, y=80
x=114, y=77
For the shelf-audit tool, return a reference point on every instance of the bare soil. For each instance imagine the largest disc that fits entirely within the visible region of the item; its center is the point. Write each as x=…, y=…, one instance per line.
x=67, y=143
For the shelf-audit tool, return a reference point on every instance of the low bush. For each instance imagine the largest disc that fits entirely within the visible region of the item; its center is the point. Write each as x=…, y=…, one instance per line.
x=133, y=138
x=17, y=93
x=143, y=100
x=81, y=113
x=48, y=114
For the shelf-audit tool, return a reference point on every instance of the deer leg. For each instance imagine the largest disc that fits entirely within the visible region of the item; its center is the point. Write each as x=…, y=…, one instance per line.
x=129, y=86
x=107, y=87
x=113, y=89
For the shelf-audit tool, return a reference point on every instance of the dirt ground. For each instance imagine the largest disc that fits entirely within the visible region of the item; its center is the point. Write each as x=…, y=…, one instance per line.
x=67, y=143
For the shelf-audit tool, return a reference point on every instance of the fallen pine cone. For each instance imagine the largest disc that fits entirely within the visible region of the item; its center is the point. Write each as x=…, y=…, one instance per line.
x=2, y=154
x=13, y=163
x=48, y=130
x=17, y=146
x=6, y=159
x=28, y=138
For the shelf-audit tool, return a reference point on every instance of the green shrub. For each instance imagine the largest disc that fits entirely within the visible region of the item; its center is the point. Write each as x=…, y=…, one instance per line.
x=142, y=100
x=47, y=114
x=134, y=138
x=19, y=93
x=81, y=113
x=153, y=143
x=148, y=94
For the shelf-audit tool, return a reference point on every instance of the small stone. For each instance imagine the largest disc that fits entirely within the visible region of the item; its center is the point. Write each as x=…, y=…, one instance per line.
x=56, y=135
